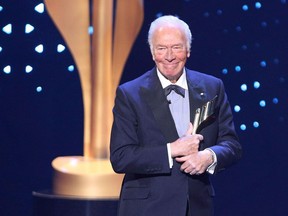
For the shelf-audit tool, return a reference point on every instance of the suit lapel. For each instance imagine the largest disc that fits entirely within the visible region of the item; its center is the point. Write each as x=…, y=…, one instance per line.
x=197, y=92
x=154, y=96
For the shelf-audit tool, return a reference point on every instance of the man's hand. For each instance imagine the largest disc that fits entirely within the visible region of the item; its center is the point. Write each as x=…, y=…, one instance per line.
x=187, y=144
x=196, y=163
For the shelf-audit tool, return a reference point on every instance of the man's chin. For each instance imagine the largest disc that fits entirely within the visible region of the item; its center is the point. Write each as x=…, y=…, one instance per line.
x=173, y=73
x=173, y=78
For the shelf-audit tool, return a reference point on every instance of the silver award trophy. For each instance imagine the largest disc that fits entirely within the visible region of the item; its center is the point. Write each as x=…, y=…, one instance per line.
x=204, y=114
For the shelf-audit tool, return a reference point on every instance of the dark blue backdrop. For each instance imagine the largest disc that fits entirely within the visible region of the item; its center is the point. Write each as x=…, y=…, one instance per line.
x=238, y=41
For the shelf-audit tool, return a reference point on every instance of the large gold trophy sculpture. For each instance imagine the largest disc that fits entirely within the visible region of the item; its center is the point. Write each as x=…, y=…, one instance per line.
x=100, y=59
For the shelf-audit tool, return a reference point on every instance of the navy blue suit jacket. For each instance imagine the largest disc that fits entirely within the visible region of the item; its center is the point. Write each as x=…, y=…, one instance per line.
x=142, y=127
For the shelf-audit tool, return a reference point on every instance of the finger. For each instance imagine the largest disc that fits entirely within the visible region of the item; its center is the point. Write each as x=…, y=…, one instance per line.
x=190, y=129
x=200, y=137
x=185, y=168
x=181, y=159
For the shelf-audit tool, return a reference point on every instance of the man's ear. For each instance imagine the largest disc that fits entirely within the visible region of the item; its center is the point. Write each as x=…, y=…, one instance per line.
x=153, y=57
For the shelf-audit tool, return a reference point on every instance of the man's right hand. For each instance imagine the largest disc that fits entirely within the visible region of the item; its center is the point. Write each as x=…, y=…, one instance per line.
x=187, y=144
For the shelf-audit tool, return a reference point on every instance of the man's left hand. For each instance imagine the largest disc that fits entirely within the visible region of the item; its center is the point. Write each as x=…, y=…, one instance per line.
x=196, y=163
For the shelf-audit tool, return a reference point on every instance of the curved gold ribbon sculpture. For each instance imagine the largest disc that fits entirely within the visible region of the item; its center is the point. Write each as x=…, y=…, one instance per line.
x=100, y=58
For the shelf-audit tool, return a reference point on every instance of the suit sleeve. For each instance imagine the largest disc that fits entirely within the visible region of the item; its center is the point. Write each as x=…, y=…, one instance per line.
x=227, y=149
x=128, y=154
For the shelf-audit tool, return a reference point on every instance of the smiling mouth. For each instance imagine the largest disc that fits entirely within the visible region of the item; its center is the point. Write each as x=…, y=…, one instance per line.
x=170, y=65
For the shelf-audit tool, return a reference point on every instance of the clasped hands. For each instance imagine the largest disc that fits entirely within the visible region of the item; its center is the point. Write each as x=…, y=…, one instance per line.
x=185, y=150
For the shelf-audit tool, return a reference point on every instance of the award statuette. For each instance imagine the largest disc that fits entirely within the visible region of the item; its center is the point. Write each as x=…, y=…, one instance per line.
x=204, y=115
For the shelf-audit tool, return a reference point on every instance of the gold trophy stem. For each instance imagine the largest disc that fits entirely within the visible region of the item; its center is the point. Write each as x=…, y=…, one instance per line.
x=100, y=63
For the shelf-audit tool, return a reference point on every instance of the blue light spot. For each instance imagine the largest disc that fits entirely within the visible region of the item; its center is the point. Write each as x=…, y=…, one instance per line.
x=264, y=24
x=256, y=84
x=276, y=21
x=237, y=68
x=28, y=69
x=244, y=87
x=245, y=7
x=238, y=28
x=39, y=8
x=219, y=12
x=263, y=64
x=281, y=79
x=28, y=28
x=1, y=49
x=258, y=5
x=275, y=100
x=60, y=48
x=7, y=29
x=256, y=124
x=39, y=89
x=243, y=127
x=1, y=8
x=262, y=103
x=225, y=71
x=244, y=47
x=237, y=108
x=90, y=30
x=276, y=61
x=206, y=14
x=159, y=14
x=39, y=48
x=7, y=69
x=257, y=45
x=71, y=68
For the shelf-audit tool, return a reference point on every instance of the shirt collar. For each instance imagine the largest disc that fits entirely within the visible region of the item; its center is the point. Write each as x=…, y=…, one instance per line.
x=182, y=81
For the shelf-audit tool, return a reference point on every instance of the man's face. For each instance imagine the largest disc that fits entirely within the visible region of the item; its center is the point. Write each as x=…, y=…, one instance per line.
x=170, y=52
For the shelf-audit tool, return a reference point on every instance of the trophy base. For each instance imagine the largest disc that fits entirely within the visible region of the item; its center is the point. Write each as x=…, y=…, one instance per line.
x=85, y=178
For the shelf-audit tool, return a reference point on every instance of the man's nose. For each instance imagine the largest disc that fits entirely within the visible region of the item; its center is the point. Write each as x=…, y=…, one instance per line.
x=169, y=54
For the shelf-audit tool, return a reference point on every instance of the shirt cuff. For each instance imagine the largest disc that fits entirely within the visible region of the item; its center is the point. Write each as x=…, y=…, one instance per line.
x=170, y=159
x=212, y=167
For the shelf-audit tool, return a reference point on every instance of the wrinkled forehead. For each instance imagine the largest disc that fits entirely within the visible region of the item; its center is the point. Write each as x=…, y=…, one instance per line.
x=168, y=34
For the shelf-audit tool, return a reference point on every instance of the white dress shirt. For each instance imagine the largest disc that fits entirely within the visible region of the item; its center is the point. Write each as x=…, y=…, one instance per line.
x=182, y=82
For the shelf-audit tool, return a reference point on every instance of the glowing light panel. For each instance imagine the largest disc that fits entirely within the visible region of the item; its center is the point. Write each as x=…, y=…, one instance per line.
x=39, y=8
x=256, y=124
x=245, y=7
x=256, y=84
x=7, y=29
x=225, y=71
x=71, y=68
x=90, y=30
x=244, y=87
x=258, y=5
x=39, y=48
x=237, y=108
x=262, y=103
x=237, y=68
x=39, y=89
x=243, y=127
x=60, y=48
x=7, y=69
x=28, y=28
x=28, y=69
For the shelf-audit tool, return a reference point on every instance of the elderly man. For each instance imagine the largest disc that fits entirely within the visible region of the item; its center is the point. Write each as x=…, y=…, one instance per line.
x=166, y=161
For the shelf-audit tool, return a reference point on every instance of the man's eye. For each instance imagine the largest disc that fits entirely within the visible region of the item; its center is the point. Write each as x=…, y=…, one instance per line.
x=177, y=47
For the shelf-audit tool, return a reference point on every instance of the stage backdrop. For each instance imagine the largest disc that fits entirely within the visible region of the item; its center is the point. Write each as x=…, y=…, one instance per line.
x=41, y=114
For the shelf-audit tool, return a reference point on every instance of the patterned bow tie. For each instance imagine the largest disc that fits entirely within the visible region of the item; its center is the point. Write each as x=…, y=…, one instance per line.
x=179, y=90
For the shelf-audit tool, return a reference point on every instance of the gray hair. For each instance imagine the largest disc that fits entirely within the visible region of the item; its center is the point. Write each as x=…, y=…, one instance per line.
x=169, y=20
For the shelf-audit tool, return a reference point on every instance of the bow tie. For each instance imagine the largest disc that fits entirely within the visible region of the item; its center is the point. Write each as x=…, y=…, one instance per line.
x=179, y=90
